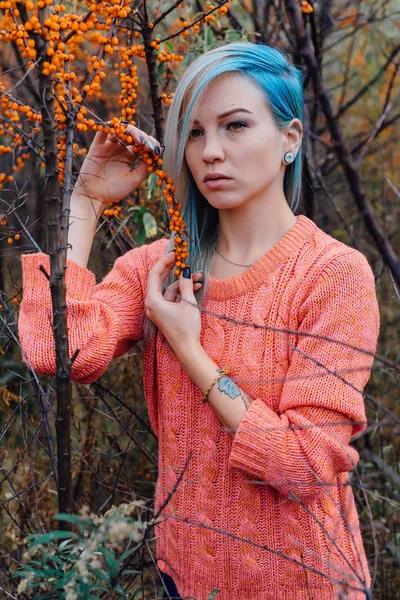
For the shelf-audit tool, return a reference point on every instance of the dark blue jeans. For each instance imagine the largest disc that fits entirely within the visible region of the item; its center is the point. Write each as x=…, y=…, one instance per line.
x=171, y=587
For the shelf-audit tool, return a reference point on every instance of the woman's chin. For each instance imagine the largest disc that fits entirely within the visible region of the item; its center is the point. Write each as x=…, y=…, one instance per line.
x=224, y=204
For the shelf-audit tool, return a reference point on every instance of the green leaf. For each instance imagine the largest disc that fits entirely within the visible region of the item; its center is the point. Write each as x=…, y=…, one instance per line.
x=151, y=185
x=140, y=238
x=128, y=217
x=209, y=37
x=74, y=519
x=84, y=591
x=64, y=580
x=101, y=574
x=111, y=562
x=150, y=225
x=53, y=535
x=64, y=545
x=139, y=214
x=121, y=590
x=169, y=46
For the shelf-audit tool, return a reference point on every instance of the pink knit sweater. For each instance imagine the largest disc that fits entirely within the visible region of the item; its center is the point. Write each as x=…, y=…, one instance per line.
x=251, y=508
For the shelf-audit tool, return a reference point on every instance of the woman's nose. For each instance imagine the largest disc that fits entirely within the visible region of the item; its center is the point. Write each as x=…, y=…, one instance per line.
x=212, y=149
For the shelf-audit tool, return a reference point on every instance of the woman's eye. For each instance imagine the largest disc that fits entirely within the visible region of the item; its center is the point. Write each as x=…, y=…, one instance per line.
x=241, y=125
x=192, y=132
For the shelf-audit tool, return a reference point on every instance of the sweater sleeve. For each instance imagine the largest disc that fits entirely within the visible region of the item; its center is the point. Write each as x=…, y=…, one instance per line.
x=301, y=448
x=103, y=320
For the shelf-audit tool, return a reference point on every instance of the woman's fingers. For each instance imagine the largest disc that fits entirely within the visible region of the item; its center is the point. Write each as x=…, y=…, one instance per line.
x=100, y=137
x=143, y=139
x=157, y=275
x=156, y=145
x=172, y=294
x=140, y=138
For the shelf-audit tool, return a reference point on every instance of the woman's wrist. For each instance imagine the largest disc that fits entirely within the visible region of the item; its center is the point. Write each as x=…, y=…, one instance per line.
x=190, y=356
x=83, y=219
x=85, y=206
x=227, y=399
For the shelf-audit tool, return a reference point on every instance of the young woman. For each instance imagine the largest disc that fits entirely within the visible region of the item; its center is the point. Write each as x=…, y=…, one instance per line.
x=264, y=509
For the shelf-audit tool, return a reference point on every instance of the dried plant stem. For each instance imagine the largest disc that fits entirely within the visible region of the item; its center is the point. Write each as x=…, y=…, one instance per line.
x=56, y=242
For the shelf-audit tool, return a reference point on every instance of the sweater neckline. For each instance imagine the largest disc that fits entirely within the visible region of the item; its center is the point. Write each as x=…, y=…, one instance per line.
x=221, y=289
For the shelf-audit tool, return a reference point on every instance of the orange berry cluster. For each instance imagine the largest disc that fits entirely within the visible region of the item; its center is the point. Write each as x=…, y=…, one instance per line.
x=12, y=110
x=222, y=10
x=177, y=224
x=167, y=99
x=153, y=165
x=129, y=82
x=30, y=114
x=10, y=239
x=62, y=153
x=306, y=7
x=68, y=38
x=135, y=50
x=14, y=301
x=155, y=43
x=20, y=162
x=111, y=9
x=4, y=179
x=95, y=76
x=116, y=211
x=169, y=57
x=187, y=26
x=4, y=149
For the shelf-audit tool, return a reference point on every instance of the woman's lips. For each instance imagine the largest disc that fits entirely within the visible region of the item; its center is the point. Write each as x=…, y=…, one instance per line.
x=214, y=184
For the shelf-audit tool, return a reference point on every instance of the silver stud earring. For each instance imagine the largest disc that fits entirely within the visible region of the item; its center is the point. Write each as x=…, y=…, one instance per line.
x=289, y=158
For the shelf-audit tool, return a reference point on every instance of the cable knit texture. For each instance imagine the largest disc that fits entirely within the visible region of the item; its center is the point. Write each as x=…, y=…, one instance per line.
x=267, y=513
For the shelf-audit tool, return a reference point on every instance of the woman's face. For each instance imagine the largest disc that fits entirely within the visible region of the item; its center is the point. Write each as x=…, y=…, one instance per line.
x=246, y=146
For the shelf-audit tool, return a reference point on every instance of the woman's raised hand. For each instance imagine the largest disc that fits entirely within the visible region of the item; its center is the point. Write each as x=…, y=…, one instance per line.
x=175, y=313
x=107, y=174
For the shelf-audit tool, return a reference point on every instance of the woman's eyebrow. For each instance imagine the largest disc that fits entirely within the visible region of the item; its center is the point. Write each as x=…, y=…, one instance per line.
x=226, y=114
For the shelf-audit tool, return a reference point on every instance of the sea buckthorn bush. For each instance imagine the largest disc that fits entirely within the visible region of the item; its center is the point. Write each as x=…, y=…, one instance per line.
x=70, y=69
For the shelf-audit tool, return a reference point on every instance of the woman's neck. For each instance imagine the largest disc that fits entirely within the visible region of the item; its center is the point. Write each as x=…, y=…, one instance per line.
x=244, y=238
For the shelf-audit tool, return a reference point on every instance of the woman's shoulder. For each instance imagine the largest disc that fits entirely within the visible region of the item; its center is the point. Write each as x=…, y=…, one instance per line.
x=326, y=251
x=326, y=266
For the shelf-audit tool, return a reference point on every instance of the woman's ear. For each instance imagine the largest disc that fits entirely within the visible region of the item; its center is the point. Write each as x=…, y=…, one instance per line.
x=293, y=134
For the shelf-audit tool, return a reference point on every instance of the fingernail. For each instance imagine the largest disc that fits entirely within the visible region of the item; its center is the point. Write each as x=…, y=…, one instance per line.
x=150, y=144
x=186, y=273
x=157, y=150
x=142, y=139
x=125, y=122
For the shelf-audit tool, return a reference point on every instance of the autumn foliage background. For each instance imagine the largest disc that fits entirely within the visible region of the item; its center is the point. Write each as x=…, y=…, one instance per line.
x=68, y=69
